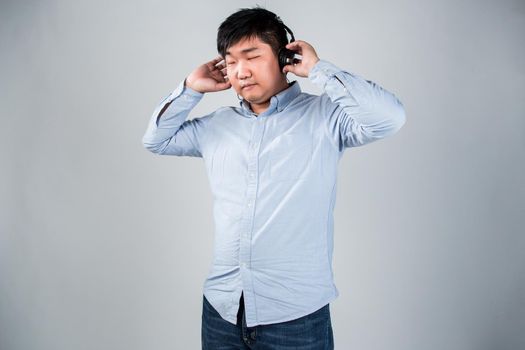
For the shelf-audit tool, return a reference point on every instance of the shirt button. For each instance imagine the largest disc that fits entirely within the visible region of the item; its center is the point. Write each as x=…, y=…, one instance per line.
x=252, y=175
x=243, y=264
x=249, y=205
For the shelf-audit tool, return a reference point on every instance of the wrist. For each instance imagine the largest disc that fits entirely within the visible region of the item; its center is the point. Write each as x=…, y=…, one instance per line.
x=189, y=85
x=190, y=89
x=313, y=65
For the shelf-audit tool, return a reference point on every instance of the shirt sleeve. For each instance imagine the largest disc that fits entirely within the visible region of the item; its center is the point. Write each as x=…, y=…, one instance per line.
x=357, y=111
x=168, y=131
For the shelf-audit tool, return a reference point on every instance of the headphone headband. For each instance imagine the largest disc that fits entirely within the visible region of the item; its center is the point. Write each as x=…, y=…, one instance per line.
x=289, y=31
x=285, y=56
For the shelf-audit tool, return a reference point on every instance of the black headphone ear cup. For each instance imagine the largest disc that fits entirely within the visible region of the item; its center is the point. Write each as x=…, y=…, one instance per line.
x=285, y=57
x=282, y=58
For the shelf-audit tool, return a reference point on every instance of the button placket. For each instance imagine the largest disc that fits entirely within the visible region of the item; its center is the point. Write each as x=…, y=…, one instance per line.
x=247, y=220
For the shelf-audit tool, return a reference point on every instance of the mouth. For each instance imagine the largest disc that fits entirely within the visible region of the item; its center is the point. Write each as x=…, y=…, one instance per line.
x=248, y=86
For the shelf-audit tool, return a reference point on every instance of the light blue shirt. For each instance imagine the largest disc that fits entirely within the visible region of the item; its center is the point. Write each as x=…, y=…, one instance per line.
x=273, y=180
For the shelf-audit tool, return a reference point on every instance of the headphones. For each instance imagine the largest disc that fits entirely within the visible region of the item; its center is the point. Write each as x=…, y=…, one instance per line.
x=284, y=55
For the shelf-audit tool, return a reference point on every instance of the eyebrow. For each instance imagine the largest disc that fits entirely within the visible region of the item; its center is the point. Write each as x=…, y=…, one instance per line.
x=250, y=49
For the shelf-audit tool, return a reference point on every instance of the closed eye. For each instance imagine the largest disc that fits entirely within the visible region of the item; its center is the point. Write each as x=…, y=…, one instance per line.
x=251, y=58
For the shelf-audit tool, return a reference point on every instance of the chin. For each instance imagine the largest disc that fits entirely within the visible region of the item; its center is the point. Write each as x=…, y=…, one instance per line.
x=254, y=99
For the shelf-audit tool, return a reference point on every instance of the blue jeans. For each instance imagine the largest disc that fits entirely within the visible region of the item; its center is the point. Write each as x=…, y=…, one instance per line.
x=310, y=332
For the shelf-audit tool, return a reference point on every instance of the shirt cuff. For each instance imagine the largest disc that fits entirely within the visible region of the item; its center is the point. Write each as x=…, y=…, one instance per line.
x=322, y=71
x=184, y=90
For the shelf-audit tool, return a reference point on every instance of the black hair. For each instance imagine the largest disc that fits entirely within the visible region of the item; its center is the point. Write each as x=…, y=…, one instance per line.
x=248, y=23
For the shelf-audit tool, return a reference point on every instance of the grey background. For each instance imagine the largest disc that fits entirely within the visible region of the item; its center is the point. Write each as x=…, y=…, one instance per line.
x=104, y=245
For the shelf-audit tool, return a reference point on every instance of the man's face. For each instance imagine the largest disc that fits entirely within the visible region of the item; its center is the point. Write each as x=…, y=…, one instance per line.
x=252, y=62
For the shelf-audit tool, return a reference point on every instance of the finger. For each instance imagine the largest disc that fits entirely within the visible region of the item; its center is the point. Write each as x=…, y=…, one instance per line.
x=288, y=68
x=223, y=86
x=221, y=77
x=296, y=47
x=214, y=61
x=216, y=68
x=296, y=43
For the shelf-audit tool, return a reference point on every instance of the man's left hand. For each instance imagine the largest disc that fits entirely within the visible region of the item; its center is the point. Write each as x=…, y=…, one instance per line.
x=309, y=58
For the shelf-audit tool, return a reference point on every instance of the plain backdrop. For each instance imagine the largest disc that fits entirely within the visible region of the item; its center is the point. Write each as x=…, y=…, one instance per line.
x=104, y=245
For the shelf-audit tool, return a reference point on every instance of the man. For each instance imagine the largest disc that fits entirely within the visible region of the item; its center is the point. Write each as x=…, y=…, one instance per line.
x=272, y=167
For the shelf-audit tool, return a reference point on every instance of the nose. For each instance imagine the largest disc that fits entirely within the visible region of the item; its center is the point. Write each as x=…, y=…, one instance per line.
x=242, y=71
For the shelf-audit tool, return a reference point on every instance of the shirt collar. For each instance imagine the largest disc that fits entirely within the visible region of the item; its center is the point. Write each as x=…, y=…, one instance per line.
x=277, y=102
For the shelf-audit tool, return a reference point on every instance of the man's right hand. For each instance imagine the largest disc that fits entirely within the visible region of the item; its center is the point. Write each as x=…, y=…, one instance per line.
x=209, y=77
